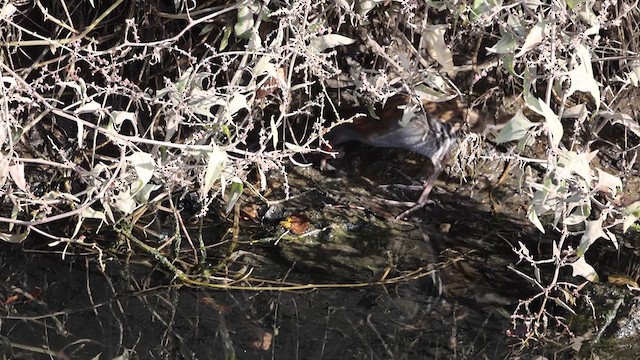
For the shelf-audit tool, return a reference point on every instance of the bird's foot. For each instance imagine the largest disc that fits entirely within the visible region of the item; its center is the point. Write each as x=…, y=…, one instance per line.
x=412, y=205
x=424, y=197
x=435, y=190
x=402, y=187
x=415, y=207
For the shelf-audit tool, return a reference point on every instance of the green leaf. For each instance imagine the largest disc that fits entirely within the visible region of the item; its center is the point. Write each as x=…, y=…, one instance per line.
x=506, y=45
x=183, y=81
x=15, y=238
x=515, y=129
x=508, y=64
x=243, y=28
x=573, y=3
x=207, y=29
x=216, y=159
x=226, y=33
x=527, y=81
x=631, y=215
x=226, y=131
x=234, y=193
x=482, y=7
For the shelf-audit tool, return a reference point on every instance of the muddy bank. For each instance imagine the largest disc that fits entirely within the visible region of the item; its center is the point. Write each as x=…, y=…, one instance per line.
x=434, y=286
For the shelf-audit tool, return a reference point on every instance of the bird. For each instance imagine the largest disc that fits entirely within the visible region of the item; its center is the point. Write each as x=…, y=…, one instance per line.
x=425, y=127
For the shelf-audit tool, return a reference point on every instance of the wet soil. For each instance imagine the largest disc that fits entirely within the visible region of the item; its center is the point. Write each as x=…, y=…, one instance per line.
x=436, y=285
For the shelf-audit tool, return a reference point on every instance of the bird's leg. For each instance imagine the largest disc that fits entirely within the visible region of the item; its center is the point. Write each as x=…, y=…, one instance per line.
x=438, y=167
x=424, y=197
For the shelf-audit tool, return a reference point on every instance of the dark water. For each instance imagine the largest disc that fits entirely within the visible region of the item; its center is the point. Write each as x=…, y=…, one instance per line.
x=79, y=312
x=454, y=299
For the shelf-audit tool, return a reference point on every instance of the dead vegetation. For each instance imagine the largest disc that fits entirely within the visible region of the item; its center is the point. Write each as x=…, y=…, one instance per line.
x=147, y=120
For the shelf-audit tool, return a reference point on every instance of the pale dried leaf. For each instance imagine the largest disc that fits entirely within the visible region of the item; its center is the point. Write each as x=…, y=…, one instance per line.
x=438, y=48
x=119, y=117
x=633, y=75
x=294, y=147
x=578, y=216
x=608, y=183
x=92, y=214
x=582, y=75
x=17, y=175
x=593, y=231
x=274, y=131
x=80, y=134
x=576, y=112
x=578, y=163
x=581, y=268
x=264, y=66
x=613, y=238
x=216, y=159
x=91, y=107
x=553, y=124
x=8, y=9
x=72, y=84
x=237, y=102
x=142, y=196
x=535, y=36
x=623, y=119
x=556, y=250
x=365, y=6
x=143, y=164
x=532, y=214
x=564, y=305
x=125, y=202
x=483, y=8
x=329, y=41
